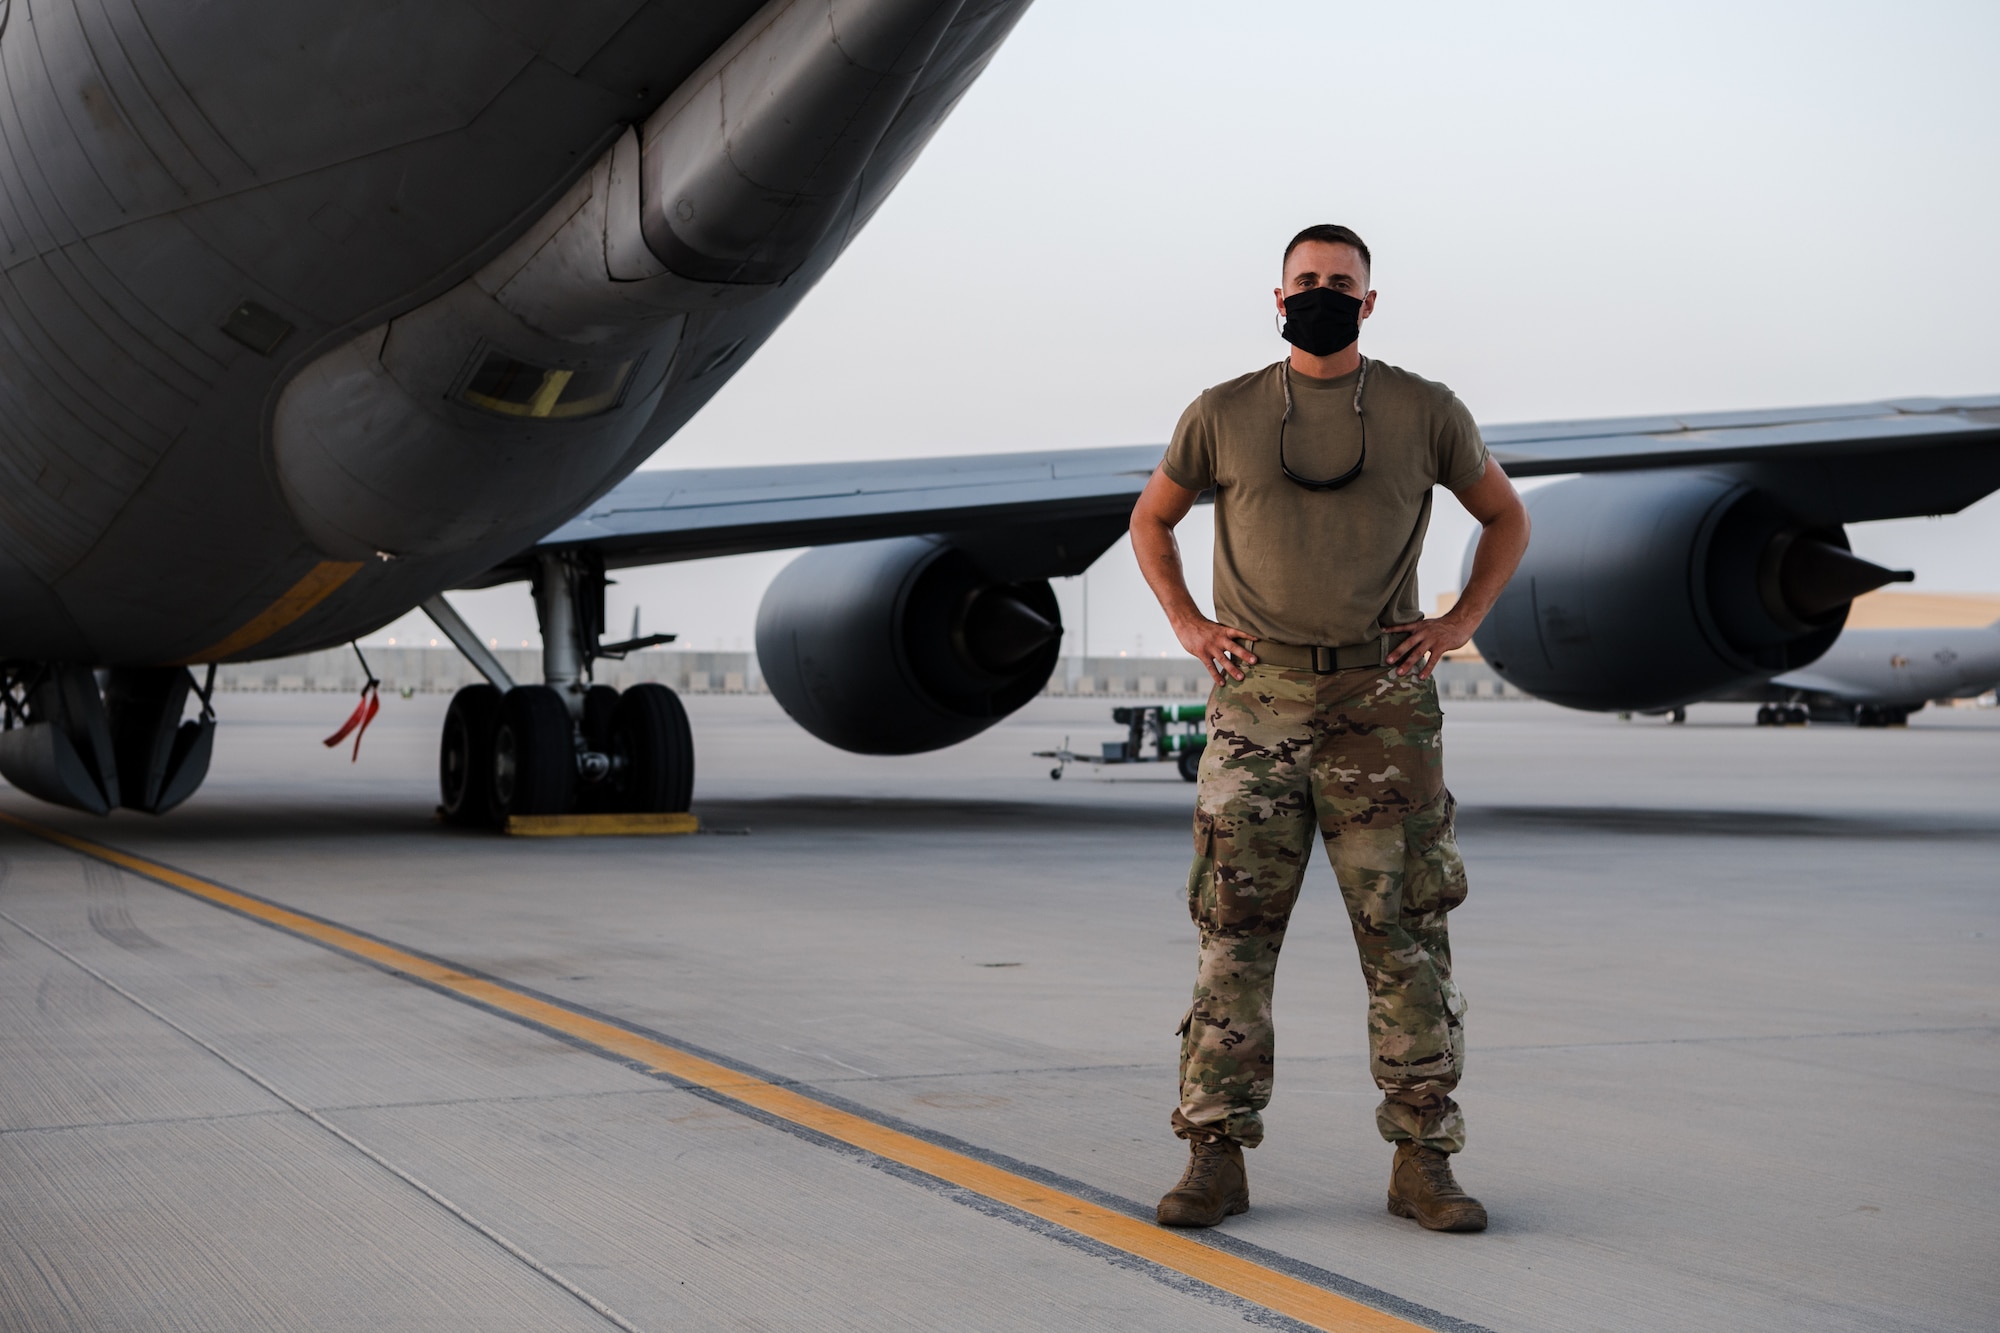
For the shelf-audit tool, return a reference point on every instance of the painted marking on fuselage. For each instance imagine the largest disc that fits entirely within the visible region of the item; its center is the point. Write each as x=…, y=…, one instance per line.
x=302, y=597
x=1241, y=1277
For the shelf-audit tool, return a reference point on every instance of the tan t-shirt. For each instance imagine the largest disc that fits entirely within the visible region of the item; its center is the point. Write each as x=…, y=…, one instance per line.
x=1322, y=567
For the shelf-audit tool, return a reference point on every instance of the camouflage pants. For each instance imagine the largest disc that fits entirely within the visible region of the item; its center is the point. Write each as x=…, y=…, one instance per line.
x=1357, y=755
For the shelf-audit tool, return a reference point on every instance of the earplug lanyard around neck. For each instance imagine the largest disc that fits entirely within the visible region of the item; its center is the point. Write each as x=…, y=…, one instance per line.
x=1330, y=483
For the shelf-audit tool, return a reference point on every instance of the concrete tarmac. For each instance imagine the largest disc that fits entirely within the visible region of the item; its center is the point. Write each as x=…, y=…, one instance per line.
x=1734, y=1041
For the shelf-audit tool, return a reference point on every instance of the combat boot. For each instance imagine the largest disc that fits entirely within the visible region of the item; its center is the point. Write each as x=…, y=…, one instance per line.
x=1213, y=1187
x=1421, y=1186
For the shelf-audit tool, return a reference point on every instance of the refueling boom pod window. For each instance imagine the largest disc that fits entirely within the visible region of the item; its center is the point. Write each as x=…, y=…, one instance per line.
x=510, y=387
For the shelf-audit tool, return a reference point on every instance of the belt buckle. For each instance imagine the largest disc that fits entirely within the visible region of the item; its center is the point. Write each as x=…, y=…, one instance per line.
x=1325, y=661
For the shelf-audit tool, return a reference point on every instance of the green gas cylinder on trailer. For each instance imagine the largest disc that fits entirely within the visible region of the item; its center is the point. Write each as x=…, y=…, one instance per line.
x=1154, y=733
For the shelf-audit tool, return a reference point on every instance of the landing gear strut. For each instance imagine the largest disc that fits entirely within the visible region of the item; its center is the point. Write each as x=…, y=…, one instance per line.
x=91, y=745
x=566, y=745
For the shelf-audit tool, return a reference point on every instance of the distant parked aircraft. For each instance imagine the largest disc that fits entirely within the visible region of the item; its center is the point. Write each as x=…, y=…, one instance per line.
x=1878, y=677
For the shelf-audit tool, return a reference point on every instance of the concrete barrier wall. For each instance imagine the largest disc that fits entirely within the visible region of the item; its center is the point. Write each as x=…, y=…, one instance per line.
x=444, y=670
x=1183, y=678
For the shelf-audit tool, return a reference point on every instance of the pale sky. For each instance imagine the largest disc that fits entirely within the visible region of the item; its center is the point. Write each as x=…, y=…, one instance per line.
x=1576, y=210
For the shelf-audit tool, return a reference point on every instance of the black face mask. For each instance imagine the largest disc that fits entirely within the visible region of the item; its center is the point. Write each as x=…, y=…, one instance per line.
x=1320, y=321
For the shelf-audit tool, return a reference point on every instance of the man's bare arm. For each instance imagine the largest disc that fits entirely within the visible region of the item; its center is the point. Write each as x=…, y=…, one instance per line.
x=1503, y=539
x=1162, y=505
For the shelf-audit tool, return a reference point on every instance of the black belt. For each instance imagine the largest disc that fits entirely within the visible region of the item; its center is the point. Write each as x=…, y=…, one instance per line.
x=1327, y=660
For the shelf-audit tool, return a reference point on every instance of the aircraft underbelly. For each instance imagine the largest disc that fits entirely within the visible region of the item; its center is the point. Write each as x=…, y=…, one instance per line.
x=163, y=166
x=266, y=268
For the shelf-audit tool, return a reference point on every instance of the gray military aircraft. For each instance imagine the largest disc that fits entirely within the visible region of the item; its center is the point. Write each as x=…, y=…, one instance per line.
x=1878, y=677
x=311, y=312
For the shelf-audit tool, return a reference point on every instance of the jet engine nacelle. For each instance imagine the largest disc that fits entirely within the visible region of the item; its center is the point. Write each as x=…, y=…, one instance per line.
x=1649, y=590
x=904, y=645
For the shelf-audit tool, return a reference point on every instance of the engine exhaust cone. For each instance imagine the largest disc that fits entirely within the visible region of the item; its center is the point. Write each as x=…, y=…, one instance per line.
x=1001, y=631
x=1816, y=578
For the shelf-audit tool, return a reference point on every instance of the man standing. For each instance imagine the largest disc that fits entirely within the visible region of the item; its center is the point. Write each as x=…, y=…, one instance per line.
x=1324, y=716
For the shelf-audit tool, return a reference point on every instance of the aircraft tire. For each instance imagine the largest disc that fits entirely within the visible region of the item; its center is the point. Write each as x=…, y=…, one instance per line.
x=534, y=754
x=650, y=735
x=465, y=757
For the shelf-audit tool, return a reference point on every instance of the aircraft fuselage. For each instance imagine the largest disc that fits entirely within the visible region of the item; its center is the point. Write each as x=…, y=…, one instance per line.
x=311, y=310
x=1901, y=667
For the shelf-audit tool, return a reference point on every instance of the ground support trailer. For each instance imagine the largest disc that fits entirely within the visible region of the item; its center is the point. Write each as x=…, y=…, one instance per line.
x=1154, y=734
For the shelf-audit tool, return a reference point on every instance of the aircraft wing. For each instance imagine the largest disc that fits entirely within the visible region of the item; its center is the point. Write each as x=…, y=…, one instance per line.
x=687, y=514
x=1769, y=435
x=1878, y=460
x=1870, y=460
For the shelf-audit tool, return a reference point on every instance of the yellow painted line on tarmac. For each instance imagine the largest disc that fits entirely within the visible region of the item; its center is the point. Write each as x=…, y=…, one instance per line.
x=1276, y=1291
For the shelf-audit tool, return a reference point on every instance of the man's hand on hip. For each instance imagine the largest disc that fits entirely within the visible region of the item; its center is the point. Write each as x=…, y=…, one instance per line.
x=1219, y=647
x=1164, y=503
x=1430, y=639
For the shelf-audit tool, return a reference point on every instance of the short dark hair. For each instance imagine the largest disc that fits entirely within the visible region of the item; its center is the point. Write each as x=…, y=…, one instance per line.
x=1334, y=234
